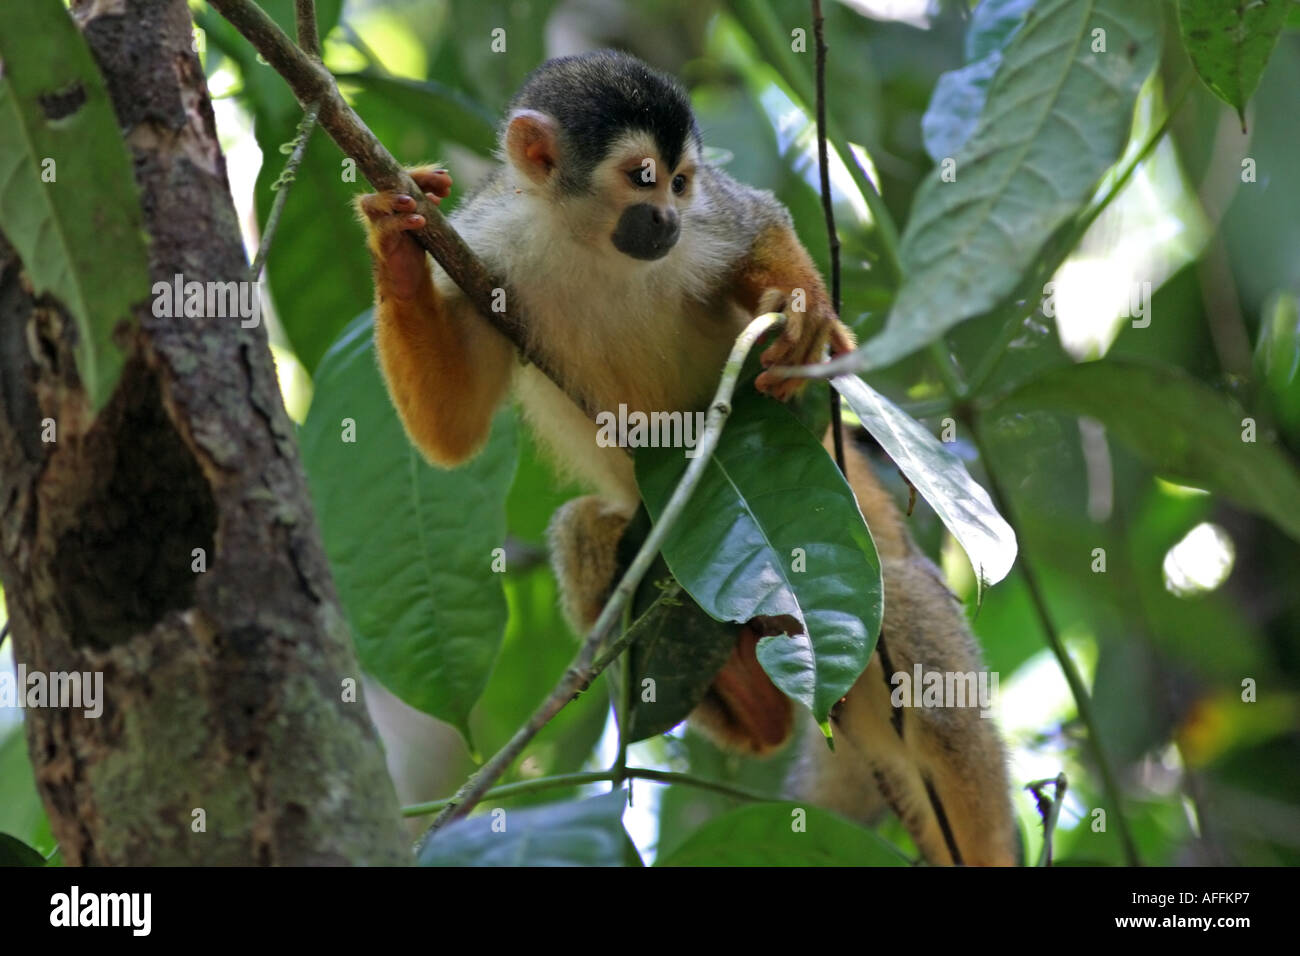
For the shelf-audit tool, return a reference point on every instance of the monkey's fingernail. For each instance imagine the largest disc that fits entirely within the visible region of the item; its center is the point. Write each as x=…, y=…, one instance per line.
x=415, y=220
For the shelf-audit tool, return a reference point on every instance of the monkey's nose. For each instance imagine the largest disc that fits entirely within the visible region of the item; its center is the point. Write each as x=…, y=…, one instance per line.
x=664, y=217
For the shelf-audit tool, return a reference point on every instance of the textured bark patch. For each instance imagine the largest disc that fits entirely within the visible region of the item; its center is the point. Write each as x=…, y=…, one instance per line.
x=129, y=559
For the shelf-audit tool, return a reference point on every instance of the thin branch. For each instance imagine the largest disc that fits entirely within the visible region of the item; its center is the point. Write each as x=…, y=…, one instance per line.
x=311, y=83
x=582, y=671
x=281, y=186
x=1082, y=699
x=832, y=234
x=308, y=32
x=1049, y=808
x=666, y=777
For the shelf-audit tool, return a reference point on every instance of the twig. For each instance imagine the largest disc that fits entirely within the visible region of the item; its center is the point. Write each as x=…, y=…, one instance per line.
x=832, y=234
x=1082, y=699
x=1050, y=814
x=582, y=671
x=308, y=33
x=311, y=83
x=520, y=787
x=281, y=186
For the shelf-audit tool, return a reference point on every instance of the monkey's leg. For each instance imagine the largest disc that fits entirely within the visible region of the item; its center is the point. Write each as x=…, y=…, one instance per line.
x=446, y=368
x=743, y=709
x=941, y=768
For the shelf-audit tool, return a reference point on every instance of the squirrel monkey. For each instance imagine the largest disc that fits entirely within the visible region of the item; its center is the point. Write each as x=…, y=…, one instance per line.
x=637, y=264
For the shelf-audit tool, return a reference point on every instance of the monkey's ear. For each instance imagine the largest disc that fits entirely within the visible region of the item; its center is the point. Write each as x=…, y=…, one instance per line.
x=532, y=144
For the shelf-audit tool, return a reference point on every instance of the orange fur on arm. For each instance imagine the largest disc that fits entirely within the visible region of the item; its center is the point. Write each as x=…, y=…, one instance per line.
x=446, y=369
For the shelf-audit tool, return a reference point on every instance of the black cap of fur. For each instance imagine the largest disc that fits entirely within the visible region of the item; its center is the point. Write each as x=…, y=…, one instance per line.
x=598, y=96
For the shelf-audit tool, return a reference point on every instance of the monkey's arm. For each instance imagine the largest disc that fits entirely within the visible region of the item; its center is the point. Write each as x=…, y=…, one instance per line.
x=446, y=368
x=775, y=274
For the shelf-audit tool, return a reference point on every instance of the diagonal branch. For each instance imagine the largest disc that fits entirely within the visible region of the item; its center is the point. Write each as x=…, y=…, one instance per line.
x=312, y=84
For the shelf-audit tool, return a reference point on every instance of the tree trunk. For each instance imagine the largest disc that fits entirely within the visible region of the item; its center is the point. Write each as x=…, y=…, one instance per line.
x=224, y=690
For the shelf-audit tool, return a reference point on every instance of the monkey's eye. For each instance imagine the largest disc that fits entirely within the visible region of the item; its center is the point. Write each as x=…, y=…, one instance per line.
x=679, y=184
x=640, y=178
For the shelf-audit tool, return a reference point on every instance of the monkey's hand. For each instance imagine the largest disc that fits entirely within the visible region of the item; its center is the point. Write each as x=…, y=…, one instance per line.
x=401, y=269
x=803, y=339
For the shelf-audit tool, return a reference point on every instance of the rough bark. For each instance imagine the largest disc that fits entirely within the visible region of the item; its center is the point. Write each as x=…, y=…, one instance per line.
x=223, y=689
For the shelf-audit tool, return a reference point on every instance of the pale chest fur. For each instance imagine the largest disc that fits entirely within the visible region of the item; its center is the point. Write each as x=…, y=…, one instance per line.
x=650, y=336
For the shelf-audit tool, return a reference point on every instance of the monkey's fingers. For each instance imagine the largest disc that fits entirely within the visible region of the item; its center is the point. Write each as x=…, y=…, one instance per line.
x=433, y=180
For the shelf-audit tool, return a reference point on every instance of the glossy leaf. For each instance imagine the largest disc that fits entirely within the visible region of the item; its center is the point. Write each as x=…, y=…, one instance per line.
x=1183, y=429
x=764, y=835
x=939, y=477
x=1230, y=42
x=68, y=199
x=581, y=833
x=410, y=545
x=772, y=499
x=1056, y=120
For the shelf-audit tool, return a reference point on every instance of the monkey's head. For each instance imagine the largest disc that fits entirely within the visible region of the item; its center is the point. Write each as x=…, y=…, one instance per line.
x=611, y=145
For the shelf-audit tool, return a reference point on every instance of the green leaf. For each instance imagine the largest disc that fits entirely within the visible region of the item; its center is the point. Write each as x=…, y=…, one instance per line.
x=1230, y=43
x=581, y=833
x=769, y=489
x=1277, y=357
x=454, y=115
x=68, y=200
x=764, y=835
x=14, y=852
x=410, y=545
x=941, y=479
x=1183, y=429
x=678, y=646
x=1056, y=120
x=959, y=95
x=21, y=812
x=317, y=226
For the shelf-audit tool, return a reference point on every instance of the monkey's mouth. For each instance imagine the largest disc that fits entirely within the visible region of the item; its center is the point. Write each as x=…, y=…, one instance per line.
x=646, y=250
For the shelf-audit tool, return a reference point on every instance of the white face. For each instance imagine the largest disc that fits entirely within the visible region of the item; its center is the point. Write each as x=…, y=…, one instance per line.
x=637, y=202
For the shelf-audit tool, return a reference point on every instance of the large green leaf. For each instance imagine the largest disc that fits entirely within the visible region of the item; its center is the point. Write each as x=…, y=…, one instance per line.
x=1056, y=119
x=678, y=646
x=14, y=852
x=21, y=812
x=770, y=493
x=1185, y=430
x=959, y=95
x=68, y=200
x=1230, y=43
x=410, y=545
x=581, y=833
x=783, y=834
x=939, y=475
